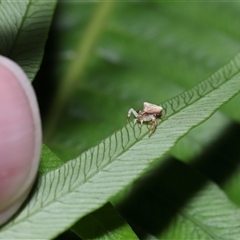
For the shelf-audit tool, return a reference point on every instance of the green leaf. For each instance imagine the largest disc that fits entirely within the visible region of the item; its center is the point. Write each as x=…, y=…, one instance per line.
x=231, y=187
x=215, y=219
x=178, y=202
x=48, y=161
x=200, y=138
x=104, y=223
x=87, y=182
x=24, y=30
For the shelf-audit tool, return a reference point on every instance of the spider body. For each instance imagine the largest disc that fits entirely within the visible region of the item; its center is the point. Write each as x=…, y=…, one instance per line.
x=150, y=112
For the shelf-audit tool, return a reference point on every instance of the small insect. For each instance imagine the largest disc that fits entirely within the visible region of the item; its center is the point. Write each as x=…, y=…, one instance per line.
x=150, y=112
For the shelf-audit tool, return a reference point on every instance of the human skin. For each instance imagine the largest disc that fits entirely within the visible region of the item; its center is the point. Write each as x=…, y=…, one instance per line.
x=20, y=138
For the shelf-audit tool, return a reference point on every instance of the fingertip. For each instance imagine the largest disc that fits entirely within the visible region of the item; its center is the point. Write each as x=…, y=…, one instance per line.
x=20, y=137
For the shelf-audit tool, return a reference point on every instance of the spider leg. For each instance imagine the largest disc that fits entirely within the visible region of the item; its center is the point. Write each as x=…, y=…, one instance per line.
x=131, y=111
x=153, y=127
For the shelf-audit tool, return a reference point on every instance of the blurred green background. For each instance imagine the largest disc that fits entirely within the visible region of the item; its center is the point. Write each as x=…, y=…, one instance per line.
x=139, y=51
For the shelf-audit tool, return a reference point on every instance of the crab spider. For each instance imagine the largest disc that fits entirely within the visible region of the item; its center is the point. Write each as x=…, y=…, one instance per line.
x=150, y=112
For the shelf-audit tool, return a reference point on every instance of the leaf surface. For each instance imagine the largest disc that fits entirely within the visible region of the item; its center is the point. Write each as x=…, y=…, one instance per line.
x=178, y=202
x=48, y=161
x=24, y=29
x=104, y=223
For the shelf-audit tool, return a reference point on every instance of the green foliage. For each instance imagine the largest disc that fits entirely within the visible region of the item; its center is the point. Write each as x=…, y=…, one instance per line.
x=145, y=51
x=49, y=161
x=24, y=27
x=182, y=203
x=104, y=223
